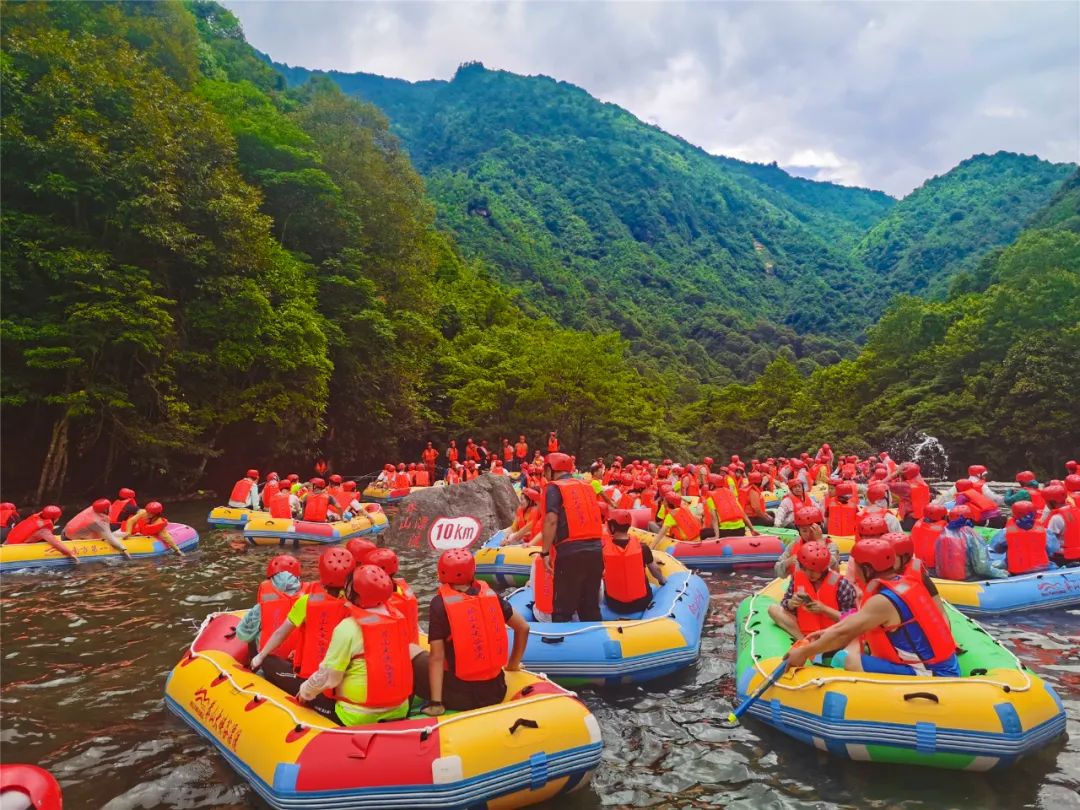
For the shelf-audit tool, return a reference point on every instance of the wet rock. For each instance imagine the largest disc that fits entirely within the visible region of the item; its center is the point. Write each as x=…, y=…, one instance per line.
x=490, y=499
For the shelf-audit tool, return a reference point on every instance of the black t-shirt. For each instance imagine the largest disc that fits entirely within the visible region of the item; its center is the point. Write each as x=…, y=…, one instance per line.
x=439, y=622
x=646, y=552
x=553, y=503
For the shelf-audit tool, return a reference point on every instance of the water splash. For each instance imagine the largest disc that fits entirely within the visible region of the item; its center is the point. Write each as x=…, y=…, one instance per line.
x=924, y=450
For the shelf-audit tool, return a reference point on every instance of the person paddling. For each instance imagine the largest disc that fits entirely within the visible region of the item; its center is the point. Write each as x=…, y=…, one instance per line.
x=40, y=527
x=92, y=523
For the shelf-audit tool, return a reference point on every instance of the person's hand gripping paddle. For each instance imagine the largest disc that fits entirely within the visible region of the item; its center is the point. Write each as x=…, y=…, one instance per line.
x=732, y=720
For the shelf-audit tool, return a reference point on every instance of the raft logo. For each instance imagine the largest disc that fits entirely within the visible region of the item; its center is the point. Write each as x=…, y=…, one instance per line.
x=457, y=532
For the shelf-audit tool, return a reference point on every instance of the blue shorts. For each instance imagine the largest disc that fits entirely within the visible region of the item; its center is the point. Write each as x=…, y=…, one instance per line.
x=949, y=668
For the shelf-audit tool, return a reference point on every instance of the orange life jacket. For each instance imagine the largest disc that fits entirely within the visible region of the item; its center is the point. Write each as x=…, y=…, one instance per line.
x=920, y=497
x=726, y=504
x=280, y=506
x=404, y=601
x=1037, y=498
x=624, y=571
x=86, y=518
x=687, y=527
x=924, y=535
x=1026, y=550
x=980, y=502
x=690, y=486
x=422, y=479
x=149, y=526
x=553, y=445
x=274, y=607
x=841, y=518
x=338, y=494
x=472, y=453
x=241, y=489
x=924, y=613
x=316, y=507
x=386, y=653
x=825, y=591
x=324, y=612
x=543, y=585
x=583, y=521
x=430, y=456
x=521, y=449
x=271, y=489
x=117, y=507
x=1070, y=539
x=476, y=622
x=26, y=528
x=451, y=454
x=401, y=480
x=508, y=452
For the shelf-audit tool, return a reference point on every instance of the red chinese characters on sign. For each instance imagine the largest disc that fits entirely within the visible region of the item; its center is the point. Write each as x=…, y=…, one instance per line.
x=457, y=532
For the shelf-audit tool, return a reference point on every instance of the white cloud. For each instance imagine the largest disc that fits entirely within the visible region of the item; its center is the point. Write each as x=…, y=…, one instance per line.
x=884, y=94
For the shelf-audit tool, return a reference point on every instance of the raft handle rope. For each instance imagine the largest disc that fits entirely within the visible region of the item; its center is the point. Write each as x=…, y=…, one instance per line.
x=557, y=638
x=300, y=726
x=914, y=679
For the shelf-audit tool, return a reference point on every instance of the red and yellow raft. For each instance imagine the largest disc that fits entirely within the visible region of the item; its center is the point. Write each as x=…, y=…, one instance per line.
x=539, y=743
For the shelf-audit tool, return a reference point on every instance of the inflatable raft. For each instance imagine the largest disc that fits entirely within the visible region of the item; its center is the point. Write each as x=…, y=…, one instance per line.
x=622, y=649
x=508, y=566
x=998, y=712
x=231, y=517
x=271, y=531
x=42, y=555
x=540, y=743
x=1044, y=590
x=379, y=495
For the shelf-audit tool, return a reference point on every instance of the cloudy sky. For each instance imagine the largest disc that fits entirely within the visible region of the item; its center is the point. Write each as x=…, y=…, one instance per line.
x=875, y=94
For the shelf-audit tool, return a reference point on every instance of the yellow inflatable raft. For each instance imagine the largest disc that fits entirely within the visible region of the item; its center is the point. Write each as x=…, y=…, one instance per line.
x=42, y=555
x=270, y=531
x=540, y=743
x=231, y=517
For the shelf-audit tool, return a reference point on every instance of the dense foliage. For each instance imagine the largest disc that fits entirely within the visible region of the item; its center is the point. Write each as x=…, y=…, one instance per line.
x=947, y=224
x=204, y=269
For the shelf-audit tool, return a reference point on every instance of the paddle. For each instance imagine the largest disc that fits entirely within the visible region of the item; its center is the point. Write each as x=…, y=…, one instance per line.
x=733, y=718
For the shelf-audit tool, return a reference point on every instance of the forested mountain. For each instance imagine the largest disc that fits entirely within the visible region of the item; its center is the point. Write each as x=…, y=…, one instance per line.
x=599, y=219
x=947, y=224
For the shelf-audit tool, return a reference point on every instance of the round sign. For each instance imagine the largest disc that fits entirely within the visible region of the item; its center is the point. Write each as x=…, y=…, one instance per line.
x=456, y=532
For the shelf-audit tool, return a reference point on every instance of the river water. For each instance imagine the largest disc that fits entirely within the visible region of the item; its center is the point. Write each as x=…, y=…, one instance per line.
x=85, y=655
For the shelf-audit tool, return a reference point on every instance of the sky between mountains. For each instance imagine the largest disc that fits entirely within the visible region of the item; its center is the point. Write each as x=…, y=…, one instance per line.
x=883, y=95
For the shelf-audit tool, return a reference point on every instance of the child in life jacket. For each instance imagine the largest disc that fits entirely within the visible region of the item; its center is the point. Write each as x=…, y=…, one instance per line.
x=626, y=559
x=960, y=554
x=403, y=600
x=469, y=674
x=40, y=527
x=150, y=521
x=897, y=619
x=92, y=523
x=273, y=600
x=817, y=596
x=367, y=663
x=808, y=522
x=291, y=650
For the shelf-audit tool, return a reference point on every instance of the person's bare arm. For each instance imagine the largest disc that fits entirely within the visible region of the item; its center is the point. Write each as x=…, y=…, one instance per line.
x=520, y=627
x=436, y=663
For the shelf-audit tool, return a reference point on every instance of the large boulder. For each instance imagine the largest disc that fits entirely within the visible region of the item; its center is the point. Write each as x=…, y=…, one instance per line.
x=489, y=499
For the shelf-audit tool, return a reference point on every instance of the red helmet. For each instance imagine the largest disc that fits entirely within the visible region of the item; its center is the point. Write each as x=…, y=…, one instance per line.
x=318, y=483
x=797, y=464
x=707, y=461
x=1025, y=477
x=715, y=480
x=272, y=476
x=674, y=499
x=335, y=565
x=335, y=479
x=835, y=482
x=412, y=466
x=754, y=478
x=385, y=558
x=1021, y=508
x=371, y=586
x=964, y=484
x=807, y=516
x=734, y=458
x=1055, y=493
x=457, y=566
x=963, y=511
x=814, y=556
x=253, y=474
x=360, y=549
x=846, y=488
x=1072, y=482
x=873, y=525
x=620, y=517
x=51, y=513
x=662, y=471
x=909, y=469
x=880, y=474
x=935, y=511
x=559, y=462
x=532, y=494
x=876, y=491
x=389, y=467
x=876, y=552
x=349, y=486
x=626, y=478
x=691, y=469
x=101, y=505
x=902, y=544
x=1071, y=465
x=126, y=493
x=976, y=469
x=283, y=562
x=292, y=477
x=154, y=508
x=401, y=466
